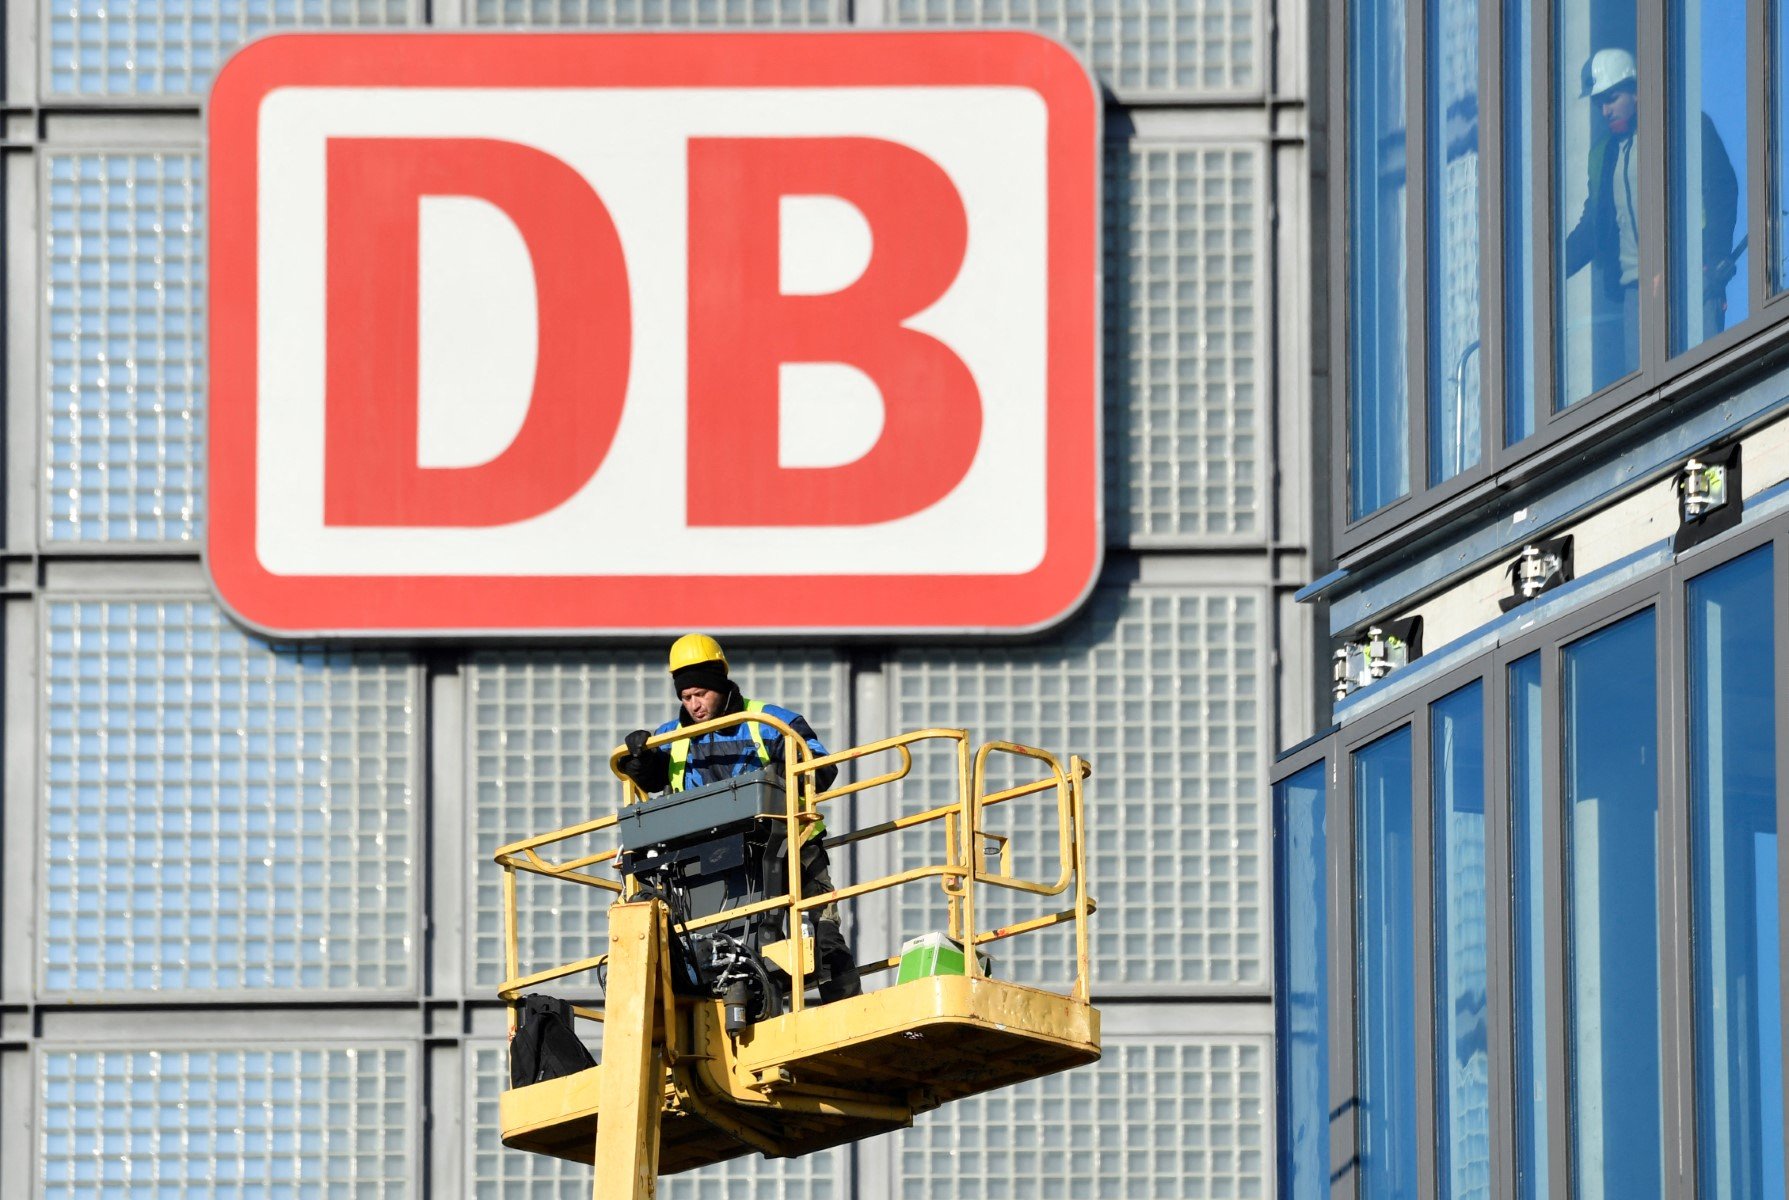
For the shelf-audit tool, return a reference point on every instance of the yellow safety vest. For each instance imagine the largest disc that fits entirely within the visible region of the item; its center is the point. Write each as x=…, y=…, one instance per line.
x=680, y=756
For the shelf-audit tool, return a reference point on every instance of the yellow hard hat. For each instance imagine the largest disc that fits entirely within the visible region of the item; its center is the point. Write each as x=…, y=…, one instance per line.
x=693, y=648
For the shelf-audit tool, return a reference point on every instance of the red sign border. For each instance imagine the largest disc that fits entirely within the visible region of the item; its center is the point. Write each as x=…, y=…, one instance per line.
x=441, y=605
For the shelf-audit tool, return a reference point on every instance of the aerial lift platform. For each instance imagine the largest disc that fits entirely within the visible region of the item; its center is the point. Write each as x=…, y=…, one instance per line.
x=693, y=1074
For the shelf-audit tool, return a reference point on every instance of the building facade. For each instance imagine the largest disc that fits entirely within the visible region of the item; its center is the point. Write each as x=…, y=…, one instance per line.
x=252, y=928
x=1530, y=911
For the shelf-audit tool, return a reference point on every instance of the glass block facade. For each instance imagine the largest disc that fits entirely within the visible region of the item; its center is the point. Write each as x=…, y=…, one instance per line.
x=1183, y=1119
x=253, y=926
x=1184, y=430
x=654, y=14
x=145, y=49
x=1160, y=689
x=123, y=366
x=268, y=1121
x=219, y=817
x=1208, y=46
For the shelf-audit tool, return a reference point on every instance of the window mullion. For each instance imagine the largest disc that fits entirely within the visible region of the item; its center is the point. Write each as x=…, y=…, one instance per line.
x=1492, y=300
x=1418, y=242
x=1676, y=900
x=1655, y=211
x=1423, y=910
x=1553, y=816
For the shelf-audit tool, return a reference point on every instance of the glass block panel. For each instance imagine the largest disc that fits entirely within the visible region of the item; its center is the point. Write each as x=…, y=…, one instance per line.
x=662, y=14
x=1161, y=689
x=497, y=1172
x=148, y=49
x=226, y=1122
x=219, y=815
x=124, y=374
x=1134, y=45
x=542, y=725
x=1179, y=1120
x=1183, y=340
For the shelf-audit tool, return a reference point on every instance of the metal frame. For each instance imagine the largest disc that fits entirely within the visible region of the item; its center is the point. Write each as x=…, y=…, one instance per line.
x=1558, y=434
x=1664, y=592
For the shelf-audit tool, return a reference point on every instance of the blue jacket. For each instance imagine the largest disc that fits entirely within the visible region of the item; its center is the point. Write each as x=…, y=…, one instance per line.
x=723, y=753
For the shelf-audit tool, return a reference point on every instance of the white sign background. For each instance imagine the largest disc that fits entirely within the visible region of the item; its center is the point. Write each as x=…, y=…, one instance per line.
x=477, y=330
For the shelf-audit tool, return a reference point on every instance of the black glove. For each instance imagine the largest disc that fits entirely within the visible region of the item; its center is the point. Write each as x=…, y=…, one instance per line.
x=645, y=767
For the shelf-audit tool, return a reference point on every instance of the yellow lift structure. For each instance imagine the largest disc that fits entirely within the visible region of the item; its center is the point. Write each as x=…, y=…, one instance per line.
x=675, y=1090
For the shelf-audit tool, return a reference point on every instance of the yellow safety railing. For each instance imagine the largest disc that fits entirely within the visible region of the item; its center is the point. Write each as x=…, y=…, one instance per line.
x=960, y=876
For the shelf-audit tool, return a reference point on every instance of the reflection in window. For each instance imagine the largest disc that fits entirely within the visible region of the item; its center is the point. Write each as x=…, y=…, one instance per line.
x=1528, y=914
x=1707, y=117
x=1378, y=303
x=1612, y=815
x=1518, y=220
x=1385, y=964
x=1303, y=985
x=1453, y=230
x=1463, y=1073
x=1733, y=804
x=1597, y=255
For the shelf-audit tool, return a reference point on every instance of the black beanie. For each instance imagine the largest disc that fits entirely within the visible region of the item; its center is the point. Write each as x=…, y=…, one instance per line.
x=711, y=675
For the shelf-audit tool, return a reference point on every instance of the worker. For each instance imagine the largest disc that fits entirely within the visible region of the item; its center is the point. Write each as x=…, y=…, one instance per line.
x=1606, y=236
x=699, y=678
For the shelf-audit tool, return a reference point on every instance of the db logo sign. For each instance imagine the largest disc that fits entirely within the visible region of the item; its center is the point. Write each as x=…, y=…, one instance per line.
x=647, y=332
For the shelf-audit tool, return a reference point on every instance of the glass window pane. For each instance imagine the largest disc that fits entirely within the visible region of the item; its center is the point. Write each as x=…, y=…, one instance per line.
x=1706, y=124
x=1378, y=420
x=1453, y=228
x=1598, y=218
x=1528, y=902
x=1733, y=804
x=1303, y=985
x=1385, y=966
x=1463, y=1073
x=1518, y=208
x=1612, y=813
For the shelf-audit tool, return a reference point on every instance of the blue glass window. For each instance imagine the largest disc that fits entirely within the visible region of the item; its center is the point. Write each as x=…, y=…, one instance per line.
x=1518, y=221
x=1462, y=1067
x=1303, y=984
x=1527, y=923
x=1385, y=966
x=1378, y=303
x=1454, y=436
x=1706, y=137
x=1733, y=805
x=1598, y=213
x=1612, y=898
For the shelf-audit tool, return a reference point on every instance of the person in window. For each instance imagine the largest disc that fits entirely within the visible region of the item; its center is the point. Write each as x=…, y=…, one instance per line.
x=1607, y=234
x=699, y=677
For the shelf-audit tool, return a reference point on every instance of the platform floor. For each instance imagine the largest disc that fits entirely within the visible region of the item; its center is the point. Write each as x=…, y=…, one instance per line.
x=887, y=1054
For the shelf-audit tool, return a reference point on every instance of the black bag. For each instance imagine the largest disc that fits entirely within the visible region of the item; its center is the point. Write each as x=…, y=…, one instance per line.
x=546, y=1045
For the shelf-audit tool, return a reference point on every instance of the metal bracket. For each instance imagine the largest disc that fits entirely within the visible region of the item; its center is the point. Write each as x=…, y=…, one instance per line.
x=1386, y=647
x=1540, y=567
x=1707, y=496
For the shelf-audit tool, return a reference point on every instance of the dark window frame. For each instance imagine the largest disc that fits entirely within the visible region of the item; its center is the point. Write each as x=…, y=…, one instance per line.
x=1665, y=592
x=1659, y=380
